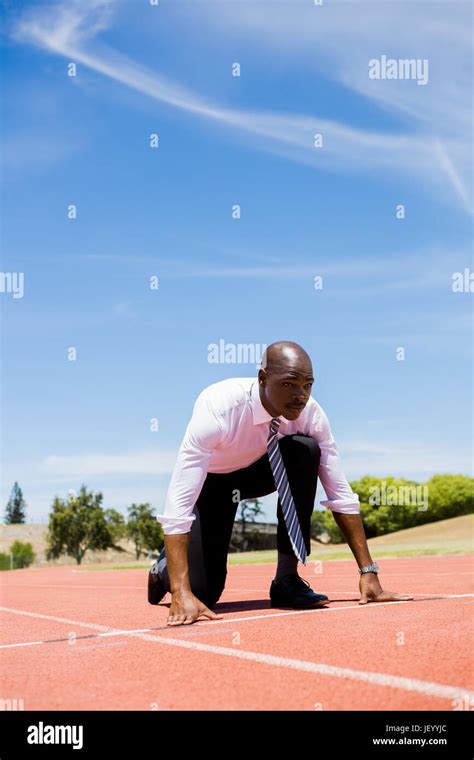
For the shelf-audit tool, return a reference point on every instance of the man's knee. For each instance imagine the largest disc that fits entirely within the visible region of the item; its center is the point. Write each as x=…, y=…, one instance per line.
x=207, y=592
x=212, y=601
x=210, y=598
x=313, y=447
x=305, y=445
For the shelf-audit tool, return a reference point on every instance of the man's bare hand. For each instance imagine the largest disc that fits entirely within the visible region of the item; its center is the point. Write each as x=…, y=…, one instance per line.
x=372, y=591
x=187, y=608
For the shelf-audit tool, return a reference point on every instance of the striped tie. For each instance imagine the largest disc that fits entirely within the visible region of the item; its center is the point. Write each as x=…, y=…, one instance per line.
x=284, y=492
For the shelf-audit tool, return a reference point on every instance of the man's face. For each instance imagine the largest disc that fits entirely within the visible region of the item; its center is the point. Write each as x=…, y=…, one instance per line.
x=286, y=391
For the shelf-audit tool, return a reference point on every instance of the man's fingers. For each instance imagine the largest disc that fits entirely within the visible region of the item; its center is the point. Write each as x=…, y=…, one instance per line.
x=176, y=619
x=398, y=597
x=210, y=614
x=186, y=616
x=386, y=596
x=391, y=596
x=183, y=620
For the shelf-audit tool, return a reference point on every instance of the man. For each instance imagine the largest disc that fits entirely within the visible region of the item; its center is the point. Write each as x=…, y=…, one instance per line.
x=247, y=438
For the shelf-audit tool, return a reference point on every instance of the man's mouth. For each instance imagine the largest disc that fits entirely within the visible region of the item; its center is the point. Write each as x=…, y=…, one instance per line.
x=296, y=406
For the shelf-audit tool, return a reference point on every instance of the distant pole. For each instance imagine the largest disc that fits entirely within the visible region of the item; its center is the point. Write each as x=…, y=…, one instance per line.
x=11, y=560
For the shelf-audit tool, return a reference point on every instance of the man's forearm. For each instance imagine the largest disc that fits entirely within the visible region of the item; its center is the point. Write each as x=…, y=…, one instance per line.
x=353, y=530
x=176, y=548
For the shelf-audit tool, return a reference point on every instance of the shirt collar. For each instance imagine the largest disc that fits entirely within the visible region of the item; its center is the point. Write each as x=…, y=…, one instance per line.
x=259, y=413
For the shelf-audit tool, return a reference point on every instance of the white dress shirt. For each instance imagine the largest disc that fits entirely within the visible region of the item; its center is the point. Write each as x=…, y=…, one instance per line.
x=228, y=430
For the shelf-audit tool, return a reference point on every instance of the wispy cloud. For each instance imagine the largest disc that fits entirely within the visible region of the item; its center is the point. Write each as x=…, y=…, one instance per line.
x=382, y=458
x=130, y=475
x=402, y=270
x=145, y=462
x=25, y=150
x=69, y=30
x=123, y=308
x=339, y=38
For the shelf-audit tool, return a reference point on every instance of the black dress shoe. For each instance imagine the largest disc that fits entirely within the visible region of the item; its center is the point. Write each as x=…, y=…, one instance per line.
x=293, y=591
x=156, y=587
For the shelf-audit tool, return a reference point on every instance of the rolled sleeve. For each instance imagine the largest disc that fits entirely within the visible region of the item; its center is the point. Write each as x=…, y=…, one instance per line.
x=340, y=496
x=202, y=435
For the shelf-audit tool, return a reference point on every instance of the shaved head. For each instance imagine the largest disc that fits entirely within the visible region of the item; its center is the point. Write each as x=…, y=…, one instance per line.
x=285, y=354
x=285, y=379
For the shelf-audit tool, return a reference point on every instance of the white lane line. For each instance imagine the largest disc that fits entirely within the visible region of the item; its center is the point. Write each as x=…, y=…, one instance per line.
x=239, y=590
x=56, y=619
x=394, y=575
x=266, y=616
x=199, y=624
x=383, y=572
x=352, y=591
x=456, y=572
x=139, y=588
x=107, y=631
x=428, y=688
x=323, y=610
x=125, y=632
x=23, y=644
x=78, y=587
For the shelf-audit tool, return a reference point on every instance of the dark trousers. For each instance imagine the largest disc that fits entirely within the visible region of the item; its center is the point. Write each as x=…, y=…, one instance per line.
x=217, y=505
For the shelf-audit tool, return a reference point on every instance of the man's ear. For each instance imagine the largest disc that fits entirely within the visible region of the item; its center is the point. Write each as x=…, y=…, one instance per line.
x=262, y=377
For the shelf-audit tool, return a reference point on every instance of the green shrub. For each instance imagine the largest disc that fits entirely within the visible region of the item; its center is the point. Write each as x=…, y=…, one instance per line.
x=23, y=556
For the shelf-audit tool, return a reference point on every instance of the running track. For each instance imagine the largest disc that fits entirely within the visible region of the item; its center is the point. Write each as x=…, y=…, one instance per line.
x=78, y=640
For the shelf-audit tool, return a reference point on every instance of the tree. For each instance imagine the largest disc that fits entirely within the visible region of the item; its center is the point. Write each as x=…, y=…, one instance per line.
x=390, y=504
x=19, y=555
x=449, y=496
x=80, y=524
x=117, y=527
x=15, y=511
x=249, y=510
x=23, y=554
x=143, y=529
x=322, y=521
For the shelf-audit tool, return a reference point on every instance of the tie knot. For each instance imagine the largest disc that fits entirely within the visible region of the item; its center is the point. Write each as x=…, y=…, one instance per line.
x=275, y=424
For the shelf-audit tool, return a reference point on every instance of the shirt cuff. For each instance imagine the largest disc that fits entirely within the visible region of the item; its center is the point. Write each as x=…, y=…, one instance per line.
x=342, y=505
x=174, y=525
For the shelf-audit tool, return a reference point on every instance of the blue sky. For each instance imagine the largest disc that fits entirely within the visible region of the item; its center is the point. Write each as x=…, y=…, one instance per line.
x=305, y=211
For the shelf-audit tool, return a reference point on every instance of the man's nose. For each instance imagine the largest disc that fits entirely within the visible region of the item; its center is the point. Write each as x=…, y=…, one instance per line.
x=301, y=397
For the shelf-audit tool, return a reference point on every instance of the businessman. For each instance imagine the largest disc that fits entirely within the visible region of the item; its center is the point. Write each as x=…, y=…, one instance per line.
x=249, y=437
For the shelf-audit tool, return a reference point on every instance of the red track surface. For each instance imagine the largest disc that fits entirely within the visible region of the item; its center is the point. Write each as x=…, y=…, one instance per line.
x=399, y=656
